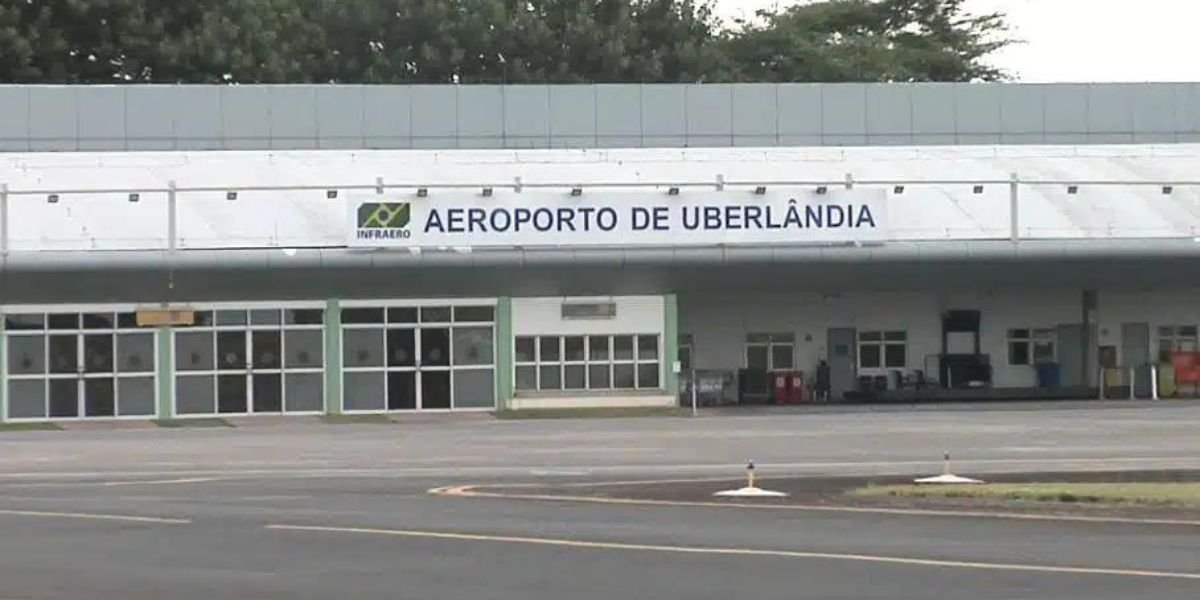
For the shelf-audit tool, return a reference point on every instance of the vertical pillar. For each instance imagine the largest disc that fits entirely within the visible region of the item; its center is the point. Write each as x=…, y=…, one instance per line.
x=3, y=372
x=1088, y=338
x=1014, y=212
x=504, y=353
x=165, y=372
x=671, y=343
x=333, y=357
x=4, y=219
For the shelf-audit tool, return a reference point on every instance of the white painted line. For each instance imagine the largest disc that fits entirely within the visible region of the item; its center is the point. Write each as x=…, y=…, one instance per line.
x=469, y=491
x=796, y=554
x=93, y=516
x=57, y=484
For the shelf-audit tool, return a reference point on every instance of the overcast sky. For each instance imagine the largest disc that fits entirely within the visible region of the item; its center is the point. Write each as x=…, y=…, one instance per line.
x=1083, y=40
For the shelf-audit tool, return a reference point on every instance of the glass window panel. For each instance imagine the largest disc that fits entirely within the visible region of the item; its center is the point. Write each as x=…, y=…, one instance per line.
x=27, y=399
x=783, y=338
x=870, y=356
x=402, y=314
x=623, y=347
x=99, y=397
x=203, y=318
x=64, y=354
x=685, y=357
x=435, y=347
x=231, y=351
x=1018, y=353
x=573, y=348
x=647, y=347
x=598, y=377
x=268, y=392
x=25, y=323
x=474, y=388
x=362, y=315
x=64, y=321
x=647, y=375
x=64, y=398
x=98, y=353
x=623, y=377
x=127, y=320
x=363, y=348
x=895, y=336
x=268, y=351
x=99, y=321
x=549, y=348
x=525, y=349
x=229, y=318
x=401, y=347
x=870, y=336
x=263, y=316
x=1187, y=330
x=304, y=316
x=1165, y=347
x=1044, y=334
x=304, y=392
x=435, y=314
x=757, y=358
x=232, y=393
x=1043, y=352
x=473, y=346
x=304, y=349
x=135, y=396
x=758, y=338
x=402, y=390
x=195, y=395
x=895, y=356
x=474, y=314
x=598, y=347
x=550, y=377
x=1018, y=334
x=575, y=377
x=435, y=389
x=26, y=354
x=194, y=350
x=527, y=378
x=782, y=356
x=364, y=391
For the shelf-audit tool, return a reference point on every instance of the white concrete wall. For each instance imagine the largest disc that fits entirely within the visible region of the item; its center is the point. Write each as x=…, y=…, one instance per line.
x=543, y=316
x=719, y=323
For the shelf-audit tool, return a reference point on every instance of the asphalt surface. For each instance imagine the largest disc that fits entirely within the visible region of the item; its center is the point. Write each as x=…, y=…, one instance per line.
x=320, y=511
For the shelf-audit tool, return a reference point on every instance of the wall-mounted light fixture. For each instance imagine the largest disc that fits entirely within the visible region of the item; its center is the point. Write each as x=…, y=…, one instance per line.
x=422, y=192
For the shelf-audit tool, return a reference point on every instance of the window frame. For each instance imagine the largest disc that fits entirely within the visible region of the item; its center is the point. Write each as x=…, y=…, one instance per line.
x=609, y=363
x=771, y=342
x=881, y=339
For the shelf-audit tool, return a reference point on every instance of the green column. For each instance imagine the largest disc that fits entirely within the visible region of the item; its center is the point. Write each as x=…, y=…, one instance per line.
x=3, y=372
x=333, y=357
x=165, y=372
x=504, y=353
x=671, y=342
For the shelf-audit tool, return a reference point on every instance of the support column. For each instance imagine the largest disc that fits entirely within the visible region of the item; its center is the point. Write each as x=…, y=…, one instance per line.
x=671, y=343
x=3, y=372
x=333, y=357
x=1089, y=337
x=504, y=353
x=165, y=372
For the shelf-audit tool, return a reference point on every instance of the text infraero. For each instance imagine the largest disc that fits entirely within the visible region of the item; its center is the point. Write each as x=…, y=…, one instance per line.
x=650, y=218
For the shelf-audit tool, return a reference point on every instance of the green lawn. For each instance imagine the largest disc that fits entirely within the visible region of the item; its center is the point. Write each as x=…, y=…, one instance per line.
x=355, y=419
x=37, y=426
x=1176, y=494
x=180, y=423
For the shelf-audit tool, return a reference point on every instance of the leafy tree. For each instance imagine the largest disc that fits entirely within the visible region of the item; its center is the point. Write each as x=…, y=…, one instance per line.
x=869, y=40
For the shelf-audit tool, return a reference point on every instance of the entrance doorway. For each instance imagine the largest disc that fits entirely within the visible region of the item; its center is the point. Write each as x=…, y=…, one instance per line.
x=842, y=348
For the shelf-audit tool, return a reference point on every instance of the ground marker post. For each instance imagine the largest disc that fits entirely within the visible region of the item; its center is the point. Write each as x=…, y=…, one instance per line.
x=750, y=490
x=947, y=477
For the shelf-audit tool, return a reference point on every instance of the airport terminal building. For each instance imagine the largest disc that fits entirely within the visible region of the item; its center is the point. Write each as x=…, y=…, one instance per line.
x=180, y=251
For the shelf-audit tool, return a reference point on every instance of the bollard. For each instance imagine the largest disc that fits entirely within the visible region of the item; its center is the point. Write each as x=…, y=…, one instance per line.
x=750, y=474
x=945, y=463
x=1133, y=383
x=1154, y=382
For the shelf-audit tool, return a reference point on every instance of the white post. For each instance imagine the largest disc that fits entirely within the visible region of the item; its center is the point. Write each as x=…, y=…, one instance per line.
x=1154, y=382
x=1102, y=382
x=1133, y=383
x=695, y=412
x=3, y=218
x=1014, y=212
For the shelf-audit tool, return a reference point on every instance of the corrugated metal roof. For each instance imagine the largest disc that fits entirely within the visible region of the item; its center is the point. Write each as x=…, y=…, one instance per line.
x=1112, y=201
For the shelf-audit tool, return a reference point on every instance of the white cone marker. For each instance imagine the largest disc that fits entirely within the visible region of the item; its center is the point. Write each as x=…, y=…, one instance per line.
x=750, y=491
x=946, y=477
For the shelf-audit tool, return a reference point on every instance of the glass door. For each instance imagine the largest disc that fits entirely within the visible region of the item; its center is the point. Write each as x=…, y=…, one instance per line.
x=435, y=367
x=266, y=371
x=233, y=371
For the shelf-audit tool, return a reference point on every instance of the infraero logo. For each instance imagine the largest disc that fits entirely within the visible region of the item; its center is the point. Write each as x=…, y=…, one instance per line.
x=383, y=220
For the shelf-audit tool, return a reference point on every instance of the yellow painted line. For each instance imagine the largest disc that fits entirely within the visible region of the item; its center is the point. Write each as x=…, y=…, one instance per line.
x=467, y=491
x=795, y=554
x=93, y=516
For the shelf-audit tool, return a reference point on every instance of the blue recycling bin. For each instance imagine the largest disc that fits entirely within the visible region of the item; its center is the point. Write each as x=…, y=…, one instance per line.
x=1049, y=375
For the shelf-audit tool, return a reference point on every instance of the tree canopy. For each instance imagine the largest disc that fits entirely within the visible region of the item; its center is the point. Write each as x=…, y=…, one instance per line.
x=493, y=41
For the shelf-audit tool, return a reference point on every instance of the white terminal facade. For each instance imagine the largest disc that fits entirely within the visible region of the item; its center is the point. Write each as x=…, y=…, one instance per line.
x=199, y=283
